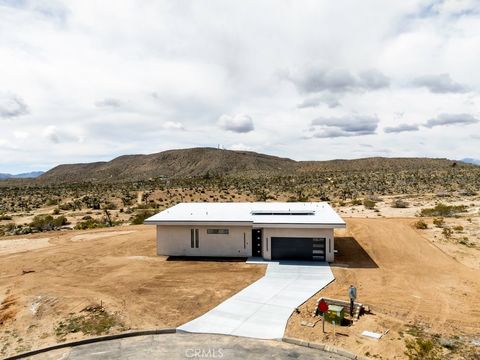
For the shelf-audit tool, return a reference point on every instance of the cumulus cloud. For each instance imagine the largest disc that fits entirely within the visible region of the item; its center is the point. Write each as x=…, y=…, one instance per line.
x=57, y=135
x=12, y=105
x=440, y=84
x=173, y=125
x=327, y=99
x=401, y=128
x=313, y=80
x=178, y=64
x=51, y=134
x=451, y=119
x=239, y=123
x=346, y=126
x=108, y=102
x=373, y=79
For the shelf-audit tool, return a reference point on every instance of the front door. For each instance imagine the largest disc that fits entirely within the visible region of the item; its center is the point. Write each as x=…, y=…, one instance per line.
x=257, y=242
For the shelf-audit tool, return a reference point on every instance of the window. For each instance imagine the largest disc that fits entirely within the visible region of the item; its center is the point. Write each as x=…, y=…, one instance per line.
x=244, y=241
x=194, y=241
x=218, y=231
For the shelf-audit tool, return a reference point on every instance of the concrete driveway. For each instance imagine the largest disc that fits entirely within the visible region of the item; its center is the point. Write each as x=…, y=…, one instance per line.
x=262, y=309
x=191, y=346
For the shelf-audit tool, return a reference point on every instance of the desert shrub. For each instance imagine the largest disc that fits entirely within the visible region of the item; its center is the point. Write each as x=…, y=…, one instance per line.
x=109, y=206
x=45, y=222
x=400, y=204
x=464, y=241
x=422, y=225
x=374, y=198
x=443, y=210
x=66, y=207
x=438, y=222
x=60, y=221
x=90, y=224
x=139, y=217
x=422, y=349
x=56, y=211
x=51, y=202
x=447, y=232
x=467, y=192
x=369, y=204
x=356, y=202
x=5, y=217
x=93, y=320
x=458, y=228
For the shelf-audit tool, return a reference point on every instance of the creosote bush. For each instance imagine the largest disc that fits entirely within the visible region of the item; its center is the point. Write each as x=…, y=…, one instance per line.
x=443, y=210
x=422, y=225
x=400, y=204
x=439, y=222
x=140, y=216
x=369, y=204
x=45, y=222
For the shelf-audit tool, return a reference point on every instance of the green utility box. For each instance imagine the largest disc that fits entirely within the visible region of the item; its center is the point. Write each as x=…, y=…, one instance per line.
x=335, y=313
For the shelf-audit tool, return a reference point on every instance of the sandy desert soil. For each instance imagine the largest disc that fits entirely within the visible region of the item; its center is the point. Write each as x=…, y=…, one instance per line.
x=407, y=276
x=117, y=268
x=463, y=245
x=404, y=278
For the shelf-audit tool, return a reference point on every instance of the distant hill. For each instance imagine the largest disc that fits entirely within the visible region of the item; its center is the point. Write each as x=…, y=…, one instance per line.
x=29, y=175
x=471, y=161
x=203, y=161
x=181, y=163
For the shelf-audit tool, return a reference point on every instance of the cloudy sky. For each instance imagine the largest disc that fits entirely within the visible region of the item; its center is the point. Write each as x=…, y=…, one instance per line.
x=83, y=81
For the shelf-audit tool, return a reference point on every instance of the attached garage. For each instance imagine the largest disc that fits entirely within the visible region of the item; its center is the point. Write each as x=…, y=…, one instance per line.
x=298, y=248
x=271, y=230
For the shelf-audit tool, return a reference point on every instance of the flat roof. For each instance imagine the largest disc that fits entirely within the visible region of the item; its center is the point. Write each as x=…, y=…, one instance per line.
x=250, y=213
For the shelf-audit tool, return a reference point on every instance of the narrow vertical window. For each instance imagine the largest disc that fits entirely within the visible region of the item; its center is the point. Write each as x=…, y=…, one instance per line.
x=244, y=241
x=192, y=238
x=196, y=238
x=330, y=245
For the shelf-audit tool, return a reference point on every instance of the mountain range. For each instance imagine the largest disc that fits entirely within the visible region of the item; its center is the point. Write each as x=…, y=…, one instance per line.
x=212, y=161
x=28, y=175
x=471, y=161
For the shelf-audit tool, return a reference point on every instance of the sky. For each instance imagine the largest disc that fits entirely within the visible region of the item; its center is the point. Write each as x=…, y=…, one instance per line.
x=84, y=81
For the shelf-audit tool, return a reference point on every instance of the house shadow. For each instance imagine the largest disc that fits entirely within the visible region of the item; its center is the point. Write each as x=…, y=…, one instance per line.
x=350, y=254
x=207, y=258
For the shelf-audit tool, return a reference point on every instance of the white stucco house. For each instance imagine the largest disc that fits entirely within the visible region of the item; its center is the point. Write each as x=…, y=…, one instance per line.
x=273, y=230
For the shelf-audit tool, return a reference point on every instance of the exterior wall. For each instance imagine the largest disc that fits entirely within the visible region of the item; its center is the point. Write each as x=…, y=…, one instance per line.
x=175, y=240
x=268, y=233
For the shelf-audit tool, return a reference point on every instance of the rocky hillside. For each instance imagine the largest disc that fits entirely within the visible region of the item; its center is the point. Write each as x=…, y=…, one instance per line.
x=203, y=161
x=178, y=163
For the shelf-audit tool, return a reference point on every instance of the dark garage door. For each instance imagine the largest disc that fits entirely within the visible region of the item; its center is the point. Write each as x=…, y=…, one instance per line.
x=297, y=248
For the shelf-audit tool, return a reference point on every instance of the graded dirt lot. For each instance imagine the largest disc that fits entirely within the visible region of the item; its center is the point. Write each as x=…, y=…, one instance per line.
x=404, y=278
x=402, y=274
x=117, y=268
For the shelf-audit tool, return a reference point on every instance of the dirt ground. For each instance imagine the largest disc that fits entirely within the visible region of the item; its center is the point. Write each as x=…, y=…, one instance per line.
x=117, y=268
x=406, y=276
x=404, y=279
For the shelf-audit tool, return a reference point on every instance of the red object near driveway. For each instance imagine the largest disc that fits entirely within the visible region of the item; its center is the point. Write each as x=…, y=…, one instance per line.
x=323, y=306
